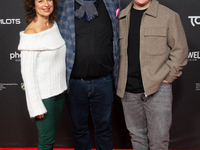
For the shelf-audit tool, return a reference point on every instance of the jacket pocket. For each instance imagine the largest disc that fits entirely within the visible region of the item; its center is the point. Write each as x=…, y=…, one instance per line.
x=121, y=33
x=122, y=41
x=122, y=27
x=156, y=40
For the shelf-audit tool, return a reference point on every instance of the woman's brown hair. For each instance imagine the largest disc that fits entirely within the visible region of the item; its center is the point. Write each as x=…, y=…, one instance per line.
x=29, y=6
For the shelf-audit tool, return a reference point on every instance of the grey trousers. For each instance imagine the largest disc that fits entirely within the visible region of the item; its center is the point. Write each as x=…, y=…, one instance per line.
x=149, y=121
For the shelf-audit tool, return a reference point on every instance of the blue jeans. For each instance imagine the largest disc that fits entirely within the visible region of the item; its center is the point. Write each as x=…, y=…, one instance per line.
x=95, y=97
x=149, y=121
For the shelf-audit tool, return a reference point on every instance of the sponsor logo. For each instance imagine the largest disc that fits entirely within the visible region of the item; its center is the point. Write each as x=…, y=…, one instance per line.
x=22, y=86
x=195, y=20
x=3, y=85
x=15, y=56
x=197, y=86
x=194, y=56
x=10, y=21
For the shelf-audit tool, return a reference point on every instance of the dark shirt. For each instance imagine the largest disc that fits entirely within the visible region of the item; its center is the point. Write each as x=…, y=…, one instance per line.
x=94, y=45
x=134, y=80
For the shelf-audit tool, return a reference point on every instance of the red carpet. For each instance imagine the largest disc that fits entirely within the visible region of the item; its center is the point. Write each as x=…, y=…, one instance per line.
x=54, y=149
x=64, y=149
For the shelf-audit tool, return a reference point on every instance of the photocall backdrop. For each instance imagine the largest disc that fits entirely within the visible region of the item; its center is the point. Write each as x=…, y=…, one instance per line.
x=18, y=130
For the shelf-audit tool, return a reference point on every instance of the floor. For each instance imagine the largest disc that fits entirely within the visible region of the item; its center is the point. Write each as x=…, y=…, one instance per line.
x=64, y=149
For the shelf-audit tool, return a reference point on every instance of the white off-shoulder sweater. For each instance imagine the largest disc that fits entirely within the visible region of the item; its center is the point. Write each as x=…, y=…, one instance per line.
x=43, y=67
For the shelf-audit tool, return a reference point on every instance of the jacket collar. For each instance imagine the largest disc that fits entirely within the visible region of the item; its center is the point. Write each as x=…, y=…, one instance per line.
x=125, y=11
x=152, y=9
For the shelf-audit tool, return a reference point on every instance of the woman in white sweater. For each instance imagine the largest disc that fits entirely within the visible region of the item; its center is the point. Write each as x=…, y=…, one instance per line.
x=43, y=68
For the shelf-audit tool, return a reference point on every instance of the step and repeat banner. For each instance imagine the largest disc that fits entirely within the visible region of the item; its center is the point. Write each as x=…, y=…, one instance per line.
x=18, y=130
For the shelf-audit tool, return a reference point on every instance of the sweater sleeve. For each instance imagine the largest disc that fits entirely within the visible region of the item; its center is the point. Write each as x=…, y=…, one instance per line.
x=179, y=49
x=28, y=70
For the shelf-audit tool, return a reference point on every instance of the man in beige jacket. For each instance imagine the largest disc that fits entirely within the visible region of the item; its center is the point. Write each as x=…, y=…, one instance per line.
x=153, y=51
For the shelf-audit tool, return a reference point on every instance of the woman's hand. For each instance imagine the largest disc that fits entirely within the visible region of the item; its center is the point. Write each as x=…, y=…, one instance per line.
x=165, y=81
x=40, y=116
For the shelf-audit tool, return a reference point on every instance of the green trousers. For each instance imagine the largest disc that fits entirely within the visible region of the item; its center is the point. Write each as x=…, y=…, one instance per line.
x=47, y=126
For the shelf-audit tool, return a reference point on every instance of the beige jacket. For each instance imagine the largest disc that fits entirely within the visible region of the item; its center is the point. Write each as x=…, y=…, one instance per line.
x=163, y=47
